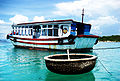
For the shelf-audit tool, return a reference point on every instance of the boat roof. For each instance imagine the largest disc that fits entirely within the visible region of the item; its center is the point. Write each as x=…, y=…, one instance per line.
x=54, y=21
x=70, y=21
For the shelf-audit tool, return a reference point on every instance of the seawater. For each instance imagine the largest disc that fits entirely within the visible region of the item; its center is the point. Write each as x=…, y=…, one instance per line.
x=28, y=65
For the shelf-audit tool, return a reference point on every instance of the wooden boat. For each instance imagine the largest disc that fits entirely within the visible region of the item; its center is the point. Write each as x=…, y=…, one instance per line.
x=76, y=64
x=53, y=35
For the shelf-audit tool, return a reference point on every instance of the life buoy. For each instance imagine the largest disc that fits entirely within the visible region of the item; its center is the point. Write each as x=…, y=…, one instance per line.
x=60, y=41
x=71, y=38
x=65, y=30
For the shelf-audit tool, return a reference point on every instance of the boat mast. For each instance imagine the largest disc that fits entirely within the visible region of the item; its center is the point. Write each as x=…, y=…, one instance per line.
x=82, y=14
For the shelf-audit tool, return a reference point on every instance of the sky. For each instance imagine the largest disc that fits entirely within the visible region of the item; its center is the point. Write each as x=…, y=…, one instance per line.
x=103, y=15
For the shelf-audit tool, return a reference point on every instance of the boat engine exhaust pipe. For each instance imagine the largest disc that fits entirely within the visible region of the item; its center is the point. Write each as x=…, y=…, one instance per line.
x=82, y=14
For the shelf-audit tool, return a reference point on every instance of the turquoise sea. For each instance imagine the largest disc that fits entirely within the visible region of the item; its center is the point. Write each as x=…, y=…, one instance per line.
x=28, y=65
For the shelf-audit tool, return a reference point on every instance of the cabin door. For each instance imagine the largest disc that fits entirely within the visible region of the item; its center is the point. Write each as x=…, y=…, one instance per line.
x=37, y=31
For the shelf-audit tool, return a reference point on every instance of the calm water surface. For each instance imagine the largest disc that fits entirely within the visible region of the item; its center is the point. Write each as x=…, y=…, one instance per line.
x=28, y=65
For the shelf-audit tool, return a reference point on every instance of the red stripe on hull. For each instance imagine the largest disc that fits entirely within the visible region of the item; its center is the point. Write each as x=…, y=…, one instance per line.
x=67, y=43
x=49, y=39
x=88, y=36
x=52, y=39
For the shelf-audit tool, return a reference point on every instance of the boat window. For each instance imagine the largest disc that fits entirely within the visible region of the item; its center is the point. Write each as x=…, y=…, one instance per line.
x=55, y=32
x=26, y=30
x=73, y=29
x=22, y=30
x=49, y=32
x=40, y=31
x=44, y=26
x=87, y=28
x=49, y=26
x=56, y=26
x=30, y=26
x=44, y=32
x=37, y=27
x=31, y=32
x=26, y=26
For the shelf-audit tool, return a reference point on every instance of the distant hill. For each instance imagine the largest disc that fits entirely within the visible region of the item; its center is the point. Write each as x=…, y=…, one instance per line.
x=115, y=38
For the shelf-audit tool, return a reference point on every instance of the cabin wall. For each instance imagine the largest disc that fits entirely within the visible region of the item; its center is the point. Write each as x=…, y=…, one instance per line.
x=42, y=30
x=83, y=29
x=73, y=29
x=49, y=30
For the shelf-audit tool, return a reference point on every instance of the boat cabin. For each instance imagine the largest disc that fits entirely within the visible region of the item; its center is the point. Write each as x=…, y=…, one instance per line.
x=51, y=29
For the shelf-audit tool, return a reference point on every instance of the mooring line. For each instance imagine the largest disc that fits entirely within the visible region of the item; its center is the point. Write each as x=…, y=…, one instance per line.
x=101, y=62
x=105, y=67
x=106, y=48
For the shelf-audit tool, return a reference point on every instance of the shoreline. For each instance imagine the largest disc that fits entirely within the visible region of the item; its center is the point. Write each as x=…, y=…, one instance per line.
x=108, y=41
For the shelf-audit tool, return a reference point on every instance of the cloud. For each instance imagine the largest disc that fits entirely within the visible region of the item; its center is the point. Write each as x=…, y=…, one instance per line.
x=5, y=28
x=92, y=8
x=2, y=22
x=19, y=19
x=102, y=14
x=39, y=19
x=23, y=19
x=100, y=22
x=104, y=20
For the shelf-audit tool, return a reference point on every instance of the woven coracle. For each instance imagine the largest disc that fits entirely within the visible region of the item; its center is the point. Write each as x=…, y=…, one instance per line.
x=77, y=64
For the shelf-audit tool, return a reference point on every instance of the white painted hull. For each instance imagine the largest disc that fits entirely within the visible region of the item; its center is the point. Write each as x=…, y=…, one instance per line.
x=79, y=43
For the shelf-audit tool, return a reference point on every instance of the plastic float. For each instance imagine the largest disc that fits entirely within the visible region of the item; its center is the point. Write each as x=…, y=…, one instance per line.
x=70, y=63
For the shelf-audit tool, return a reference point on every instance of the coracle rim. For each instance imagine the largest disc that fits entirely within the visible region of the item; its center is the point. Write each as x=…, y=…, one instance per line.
x=47, y=58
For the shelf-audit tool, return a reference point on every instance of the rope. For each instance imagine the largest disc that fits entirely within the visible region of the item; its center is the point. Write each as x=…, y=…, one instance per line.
x=105, y=67
x=101, y=62
x=106, y=48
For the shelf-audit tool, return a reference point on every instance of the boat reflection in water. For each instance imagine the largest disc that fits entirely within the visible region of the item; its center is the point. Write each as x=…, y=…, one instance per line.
x=82, y=77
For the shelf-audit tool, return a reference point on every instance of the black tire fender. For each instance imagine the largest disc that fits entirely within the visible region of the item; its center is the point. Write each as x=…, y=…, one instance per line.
x=71, y=38
x=15, y=40
x=60, y=41
x=8, y=36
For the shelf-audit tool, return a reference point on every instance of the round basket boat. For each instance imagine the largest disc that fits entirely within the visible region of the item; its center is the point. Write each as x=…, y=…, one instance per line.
x=77, y=64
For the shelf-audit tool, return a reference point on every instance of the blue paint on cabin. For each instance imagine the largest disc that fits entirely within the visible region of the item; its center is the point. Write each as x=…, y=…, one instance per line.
x=73, y=29
x=82, y=28
x=87, y=28
x=73, y=26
